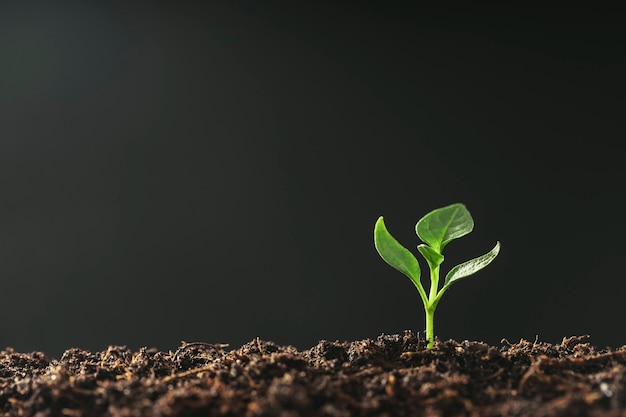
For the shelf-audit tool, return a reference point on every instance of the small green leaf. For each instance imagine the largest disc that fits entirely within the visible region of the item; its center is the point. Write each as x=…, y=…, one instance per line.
x=470, y=267
x=394, y=253
x=433, y=257
x=443, y=225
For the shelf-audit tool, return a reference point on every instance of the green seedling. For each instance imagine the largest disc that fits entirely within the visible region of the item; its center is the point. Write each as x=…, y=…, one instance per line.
x=436, y=229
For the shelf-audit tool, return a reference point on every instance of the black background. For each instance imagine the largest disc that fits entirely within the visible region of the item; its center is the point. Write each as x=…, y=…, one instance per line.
x=176, y=172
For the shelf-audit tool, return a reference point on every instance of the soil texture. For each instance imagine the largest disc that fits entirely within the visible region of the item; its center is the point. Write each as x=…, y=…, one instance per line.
x=392, y=375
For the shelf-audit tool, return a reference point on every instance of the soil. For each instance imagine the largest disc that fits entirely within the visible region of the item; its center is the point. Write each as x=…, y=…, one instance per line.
x=392, y=375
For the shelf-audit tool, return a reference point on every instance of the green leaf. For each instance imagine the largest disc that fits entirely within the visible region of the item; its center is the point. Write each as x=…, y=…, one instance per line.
x=433, y=257
x=443, y=225
x=472, y=266
x=395, y=254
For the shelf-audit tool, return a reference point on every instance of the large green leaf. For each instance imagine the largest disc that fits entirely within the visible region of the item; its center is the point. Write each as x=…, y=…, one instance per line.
x=443, y=225
x=472, y=266
x=394, y=253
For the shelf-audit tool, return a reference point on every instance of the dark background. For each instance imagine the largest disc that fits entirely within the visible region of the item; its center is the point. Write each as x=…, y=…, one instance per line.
x=183, y=172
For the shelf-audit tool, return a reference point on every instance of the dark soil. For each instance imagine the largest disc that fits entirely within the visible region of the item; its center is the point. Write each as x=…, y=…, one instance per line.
x=393, y=375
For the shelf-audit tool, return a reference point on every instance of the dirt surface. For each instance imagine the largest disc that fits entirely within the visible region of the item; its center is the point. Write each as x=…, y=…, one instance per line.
x=393, y=375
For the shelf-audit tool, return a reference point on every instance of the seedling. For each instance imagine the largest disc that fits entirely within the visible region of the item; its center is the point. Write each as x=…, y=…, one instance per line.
x=436, y=229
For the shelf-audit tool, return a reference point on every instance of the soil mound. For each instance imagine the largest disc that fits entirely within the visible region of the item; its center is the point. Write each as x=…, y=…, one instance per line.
x=392, y=375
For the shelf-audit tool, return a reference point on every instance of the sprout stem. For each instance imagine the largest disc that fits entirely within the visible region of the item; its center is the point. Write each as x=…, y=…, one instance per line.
x=432, y=305
x=430, y=326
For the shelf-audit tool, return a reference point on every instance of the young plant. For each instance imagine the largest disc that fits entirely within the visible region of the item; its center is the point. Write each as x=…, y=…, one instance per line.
x=436, y=229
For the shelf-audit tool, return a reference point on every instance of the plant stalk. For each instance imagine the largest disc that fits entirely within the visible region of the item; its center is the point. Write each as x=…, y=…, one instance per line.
x=430, y=326
x=432, y=305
